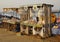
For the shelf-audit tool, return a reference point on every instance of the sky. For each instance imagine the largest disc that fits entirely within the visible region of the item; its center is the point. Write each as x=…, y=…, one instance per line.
x=18, y=3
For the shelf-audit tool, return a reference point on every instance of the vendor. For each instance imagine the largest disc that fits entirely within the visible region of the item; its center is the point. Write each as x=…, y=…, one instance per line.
x=56, y=26
x=55, y=29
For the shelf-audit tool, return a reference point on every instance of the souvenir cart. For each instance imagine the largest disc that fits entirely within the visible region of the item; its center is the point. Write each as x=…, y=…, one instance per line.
x=39, y=21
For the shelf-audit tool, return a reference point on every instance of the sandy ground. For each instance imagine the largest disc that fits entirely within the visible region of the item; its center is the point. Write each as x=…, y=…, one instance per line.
x=9, y=36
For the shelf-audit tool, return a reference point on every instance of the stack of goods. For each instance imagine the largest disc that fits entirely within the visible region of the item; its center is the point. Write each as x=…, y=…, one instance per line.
x=4, y=19
x=39, y=24
x=58, y=26
x=58, y=20
x=29, y=22
x=12, y=21
x=53, y=18
x=32, y=22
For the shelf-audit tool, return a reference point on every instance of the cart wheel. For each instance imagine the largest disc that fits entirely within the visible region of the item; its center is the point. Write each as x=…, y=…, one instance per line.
x=42, y=37
x=22, y=34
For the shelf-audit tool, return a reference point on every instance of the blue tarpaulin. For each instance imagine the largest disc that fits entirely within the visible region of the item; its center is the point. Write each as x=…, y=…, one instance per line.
x=55, y=31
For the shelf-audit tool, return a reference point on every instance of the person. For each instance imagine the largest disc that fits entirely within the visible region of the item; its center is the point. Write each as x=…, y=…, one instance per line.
x=55, y=30
x=18, y=27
